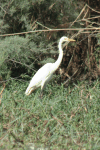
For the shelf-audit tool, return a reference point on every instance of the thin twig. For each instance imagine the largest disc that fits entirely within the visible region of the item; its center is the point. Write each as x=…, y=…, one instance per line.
x=70, y=77
x=43, y=25
x=93, y=9
x=78, y=15
x=20, y=63
x=2, y=9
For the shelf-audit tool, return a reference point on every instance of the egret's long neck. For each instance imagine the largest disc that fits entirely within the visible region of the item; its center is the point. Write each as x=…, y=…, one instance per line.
x=58, y=62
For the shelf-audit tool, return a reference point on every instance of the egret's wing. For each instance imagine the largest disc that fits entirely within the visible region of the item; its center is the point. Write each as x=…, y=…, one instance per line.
x=41, y=75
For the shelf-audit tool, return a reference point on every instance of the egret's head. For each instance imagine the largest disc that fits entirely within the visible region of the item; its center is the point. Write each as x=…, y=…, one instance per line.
x=64, y=39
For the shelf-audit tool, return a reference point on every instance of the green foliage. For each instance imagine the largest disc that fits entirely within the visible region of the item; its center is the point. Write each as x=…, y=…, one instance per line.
x=22, y=54
x=15, y=51
x=18, y=16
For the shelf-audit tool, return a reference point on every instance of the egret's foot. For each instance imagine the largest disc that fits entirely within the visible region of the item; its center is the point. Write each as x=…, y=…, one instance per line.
x=41, y=96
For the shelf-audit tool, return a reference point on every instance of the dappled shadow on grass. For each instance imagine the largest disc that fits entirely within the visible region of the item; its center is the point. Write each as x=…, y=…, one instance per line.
x=64, y=118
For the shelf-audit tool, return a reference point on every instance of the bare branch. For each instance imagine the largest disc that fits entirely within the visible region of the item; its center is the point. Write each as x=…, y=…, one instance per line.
x=66, y=29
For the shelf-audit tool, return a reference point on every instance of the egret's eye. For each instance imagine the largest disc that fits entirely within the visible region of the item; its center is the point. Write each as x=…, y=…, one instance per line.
x=65, y=39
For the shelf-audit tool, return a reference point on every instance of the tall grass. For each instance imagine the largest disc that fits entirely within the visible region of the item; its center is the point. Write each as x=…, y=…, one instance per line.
x=66, y=118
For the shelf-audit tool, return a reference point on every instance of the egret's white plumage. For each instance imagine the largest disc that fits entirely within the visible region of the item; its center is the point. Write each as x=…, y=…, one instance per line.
x=44, y=74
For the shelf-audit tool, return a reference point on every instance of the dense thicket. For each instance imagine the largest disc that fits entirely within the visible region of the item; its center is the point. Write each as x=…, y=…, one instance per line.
x=22, y=55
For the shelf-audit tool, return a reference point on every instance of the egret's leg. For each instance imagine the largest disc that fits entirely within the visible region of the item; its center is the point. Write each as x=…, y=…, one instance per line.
x=41, y=93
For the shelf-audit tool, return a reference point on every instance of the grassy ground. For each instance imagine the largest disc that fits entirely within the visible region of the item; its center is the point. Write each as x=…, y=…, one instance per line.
x=66, y=118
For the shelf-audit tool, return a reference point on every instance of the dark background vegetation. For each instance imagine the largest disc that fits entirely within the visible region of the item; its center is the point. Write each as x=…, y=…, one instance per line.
x=22, y=54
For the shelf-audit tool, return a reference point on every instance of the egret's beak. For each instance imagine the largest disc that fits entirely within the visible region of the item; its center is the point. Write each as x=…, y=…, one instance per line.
x=70, y=39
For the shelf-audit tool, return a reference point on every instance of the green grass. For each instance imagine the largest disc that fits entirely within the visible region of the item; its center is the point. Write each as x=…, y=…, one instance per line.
x=66, y=118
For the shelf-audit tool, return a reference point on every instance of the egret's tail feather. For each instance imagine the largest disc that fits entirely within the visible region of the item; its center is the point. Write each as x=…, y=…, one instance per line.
x=29, y=91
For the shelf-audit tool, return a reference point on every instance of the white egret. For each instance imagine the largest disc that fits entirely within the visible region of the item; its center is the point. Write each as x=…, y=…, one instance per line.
x=44, y=74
